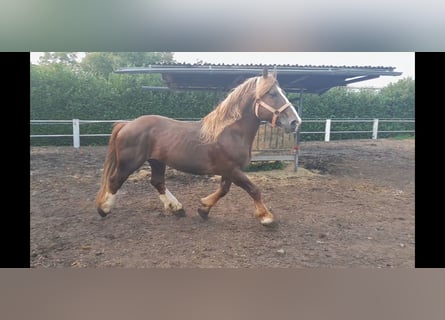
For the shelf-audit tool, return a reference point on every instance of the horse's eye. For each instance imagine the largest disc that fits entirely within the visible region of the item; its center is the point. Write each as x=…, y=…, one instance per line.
x=273, y=94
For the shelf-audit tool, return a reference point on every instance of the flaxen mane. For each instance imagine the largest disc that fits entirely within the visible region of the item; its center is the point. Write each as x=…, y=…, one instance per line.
x=228, y=111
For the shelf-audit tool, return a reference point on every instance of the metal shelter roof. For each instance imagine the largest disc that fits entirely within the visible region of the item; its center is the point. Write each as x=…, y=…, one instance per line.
x=292, y=78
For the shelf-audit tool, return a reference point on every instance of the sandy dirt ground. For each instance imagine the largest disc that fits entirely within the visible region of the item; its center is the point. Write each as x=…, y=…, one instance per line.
x=350, y=204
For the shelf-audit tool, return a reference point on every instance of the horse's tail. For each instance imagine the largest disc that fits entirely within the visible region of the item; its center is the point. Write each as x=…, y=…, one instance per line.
x=109, y=165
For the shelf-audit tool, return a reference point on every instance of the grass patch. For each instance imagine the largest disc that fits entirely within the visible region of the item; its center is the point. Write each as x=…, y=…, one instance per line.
x=264, y=166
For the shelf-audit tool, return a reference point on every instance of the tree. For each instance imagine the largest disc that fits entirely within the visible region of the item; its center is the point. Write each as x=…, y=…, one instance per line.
x=103, y=64
x=67, y=58
x=141, y=59
x=399, y=99
x=100, y=64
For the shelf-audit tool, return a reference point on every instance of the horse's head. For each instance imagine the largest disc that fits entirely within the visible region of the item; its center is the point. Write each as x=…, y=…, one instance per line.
x=272, y=105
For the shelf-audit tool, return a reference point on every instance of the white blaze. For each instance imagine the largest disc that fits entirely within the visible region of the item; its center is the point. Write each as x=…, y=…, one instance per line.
x=291, y=107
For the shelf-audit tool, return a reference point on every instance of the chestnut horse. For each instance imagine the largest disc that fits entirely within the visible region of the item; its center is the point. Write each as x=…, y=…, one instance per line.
x=218, y=144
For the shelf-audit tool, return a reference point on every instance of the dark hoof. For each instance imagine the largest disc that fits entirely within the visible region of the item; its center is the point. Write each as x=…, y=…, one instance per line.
x=179, y=213
x=203, y=214
x=101, y=212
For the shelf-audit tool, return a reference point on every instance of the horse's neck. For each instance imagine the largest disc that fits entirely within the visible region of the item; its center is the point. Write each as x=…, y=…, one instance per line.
x=249, y=125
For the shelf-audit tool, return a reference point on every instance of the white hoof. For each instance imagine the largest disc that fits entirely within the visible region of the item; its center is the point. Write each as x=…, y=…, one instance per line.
x=266, y=221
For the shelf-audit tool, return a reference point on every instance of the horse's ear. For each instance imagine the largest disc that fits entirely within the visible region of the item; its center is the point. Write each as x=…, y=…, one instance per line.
x=265, y=72
x=274, y=73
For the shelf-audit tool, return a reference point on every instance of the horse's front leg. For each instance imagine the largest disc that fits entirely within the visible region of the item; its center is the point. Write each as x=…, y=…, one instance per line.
x=171, y=204
x=262, y=213
x=209, y=201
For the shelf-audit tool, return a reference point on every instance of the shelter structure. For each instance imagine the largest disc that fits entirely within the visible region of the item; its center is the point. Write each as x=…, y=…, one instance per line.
x=292, y=78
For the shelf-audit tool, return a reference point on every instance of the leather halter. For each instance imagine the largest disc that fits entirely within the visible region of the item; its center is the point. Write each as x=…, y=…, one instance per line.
x=275, y=112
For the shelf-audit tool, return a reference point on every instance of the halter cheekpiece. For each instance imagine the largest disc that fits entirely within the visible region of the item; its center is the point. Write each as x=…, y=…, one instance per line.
x=276, y=112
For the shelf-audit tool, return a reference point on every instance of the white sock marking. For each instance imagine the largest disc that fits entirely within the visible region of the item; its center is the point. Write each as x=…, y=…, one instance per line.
x=170, y=202
x=109, y=202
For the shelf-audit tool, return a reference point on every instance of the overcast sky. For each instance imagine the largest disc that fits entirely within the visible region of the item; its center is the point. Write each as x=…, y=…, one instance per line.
x=401, y=61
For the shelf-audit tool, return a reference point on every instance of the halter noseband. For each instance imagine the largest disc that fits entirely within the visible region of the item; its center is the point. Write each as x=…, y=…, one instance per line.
x=275, y=112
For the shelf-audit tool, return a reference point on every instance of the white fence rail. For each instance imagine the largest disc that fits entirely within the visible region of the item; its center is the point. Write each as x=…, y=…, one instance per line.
x=374, y=132
x=328, y=132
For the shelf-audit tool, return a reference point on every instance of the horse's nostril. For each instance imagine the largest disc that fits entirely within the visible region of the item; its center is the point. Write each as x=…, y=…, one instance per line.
x=293, y=124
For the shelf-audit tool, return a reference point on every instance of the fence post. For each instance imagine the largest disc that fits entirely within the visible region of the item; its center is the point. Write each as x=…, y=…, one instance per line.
x=327, y=130
x=298, y=134
x=76, y=133
x=375, y=127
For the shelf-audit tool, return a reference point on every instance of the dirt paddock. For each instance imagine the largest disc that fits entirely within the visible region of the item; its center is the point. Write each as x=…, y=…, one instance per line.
x=351, y=204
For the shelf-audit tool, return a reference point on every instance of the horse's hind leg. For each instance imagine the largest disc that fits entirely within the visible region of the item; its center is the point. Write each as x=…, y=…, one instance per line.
x=171, y=204
x=115, y=182
x=209, y=201
x=112, y=183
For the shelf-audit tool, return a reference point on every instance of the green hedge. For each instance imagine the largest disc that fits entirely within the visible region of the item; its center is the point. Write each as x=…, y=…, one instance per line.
x=64, y=92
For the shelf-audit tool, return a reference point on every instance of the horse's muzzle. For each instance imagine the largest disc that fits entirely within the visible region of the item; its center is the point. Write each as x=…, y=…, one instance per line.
x=295, y=125
x=291, y=127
